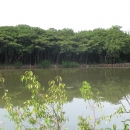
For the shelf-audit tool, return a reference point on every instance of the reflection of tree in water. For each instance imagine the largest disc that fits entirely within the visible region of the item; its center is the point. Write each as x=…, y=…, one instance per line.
x=112, y=84
x=115, y=85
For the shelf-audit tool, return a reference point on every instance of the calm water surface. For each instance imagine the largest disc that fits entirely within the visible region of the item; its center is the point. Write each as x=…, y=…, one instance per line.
x=113, y=84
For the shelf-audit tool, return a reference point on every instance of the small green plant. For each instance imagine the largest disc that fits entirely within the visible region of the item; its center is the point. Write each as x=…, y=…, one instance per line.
x=44, y=64
x=70, y=64
x=90, y=122
x=44, y=111
x=18, y=64
x=83, y=124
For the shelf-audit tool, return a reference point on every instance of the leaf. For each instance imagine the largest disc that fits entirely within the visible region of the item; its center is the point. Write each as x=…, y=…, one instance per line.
x=126, y=120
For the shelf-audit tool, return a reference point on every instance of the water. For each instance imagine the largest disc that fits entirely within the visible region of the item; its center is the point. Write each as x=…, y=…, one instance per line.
x=113, y=84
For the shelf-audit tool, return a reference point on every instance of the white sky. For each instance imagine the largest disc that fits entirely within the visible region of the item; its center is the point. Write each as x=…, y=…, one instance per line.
x=74, y=14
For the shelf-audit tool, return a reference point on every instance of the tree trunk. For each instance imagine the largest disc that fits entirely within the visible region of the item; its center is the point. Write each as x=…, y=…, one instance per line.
x=10, y=59
x=30, y=58
x=6, y=58
x=86, y=58
x=105, y=58
x=58, y=55
x=80, y=60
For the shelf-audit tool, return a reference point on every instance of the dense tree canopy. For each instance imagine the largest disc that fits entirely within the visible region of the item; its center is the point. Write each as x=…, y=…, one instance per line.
x=30, y=45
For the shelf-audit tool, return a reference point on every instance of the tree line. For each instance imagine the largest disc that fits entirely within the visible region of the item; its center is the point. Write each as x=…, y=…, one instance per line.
x=30, y=45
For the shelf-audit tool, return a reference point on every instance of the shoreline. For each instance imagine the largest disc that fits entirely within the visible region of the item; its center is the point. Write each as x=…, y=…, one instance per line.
x=118, y=65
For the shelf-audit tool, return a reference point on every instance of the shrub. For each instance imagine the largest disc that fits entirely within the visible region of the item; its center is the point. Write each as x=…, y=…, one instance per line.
x=18, y=64
x=69, y=64
x=44, y=64
x=42, y=110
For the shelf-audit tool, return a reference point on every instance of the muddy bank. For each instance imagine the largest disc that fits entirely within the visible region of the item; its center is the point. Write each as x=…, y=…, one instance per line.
x=119, y=65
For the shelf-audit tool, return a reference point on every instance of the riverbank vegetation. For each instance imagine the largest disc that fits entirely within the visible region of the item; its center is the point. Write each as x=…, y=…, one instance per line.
x=44, y=111
x=27, y=45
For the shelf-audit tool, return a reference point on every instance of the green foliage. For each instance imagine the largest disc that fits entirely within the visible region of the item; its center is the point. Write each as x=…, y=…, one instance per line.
x=44, y=64
x=90, y=122
x=86, y=91
x=18, y=64
x=83, y=124
x=43, y=110
x=70, y=64
x=32, y=44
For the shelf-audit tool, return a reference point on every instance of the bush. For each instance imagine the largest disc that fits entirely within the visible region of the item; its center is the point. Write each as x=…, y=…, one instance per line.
x=69, y=64
x=43, y=110
x=18, y=64
x=44, y=64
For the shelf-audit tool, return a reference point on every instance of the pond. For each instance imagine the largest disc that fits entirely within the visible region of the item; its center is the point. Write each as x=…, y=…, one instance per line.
x=112, y=83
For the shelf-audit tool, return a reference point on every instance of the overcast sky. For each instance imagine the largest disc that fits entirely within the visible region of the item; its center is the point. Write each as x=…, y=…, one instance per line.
x=75, y=14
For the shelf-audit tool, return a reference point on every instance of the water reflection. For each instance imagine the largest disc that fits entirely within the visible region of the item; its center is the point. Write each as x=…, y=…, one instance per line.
x=112, y=83
x=79, y=107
